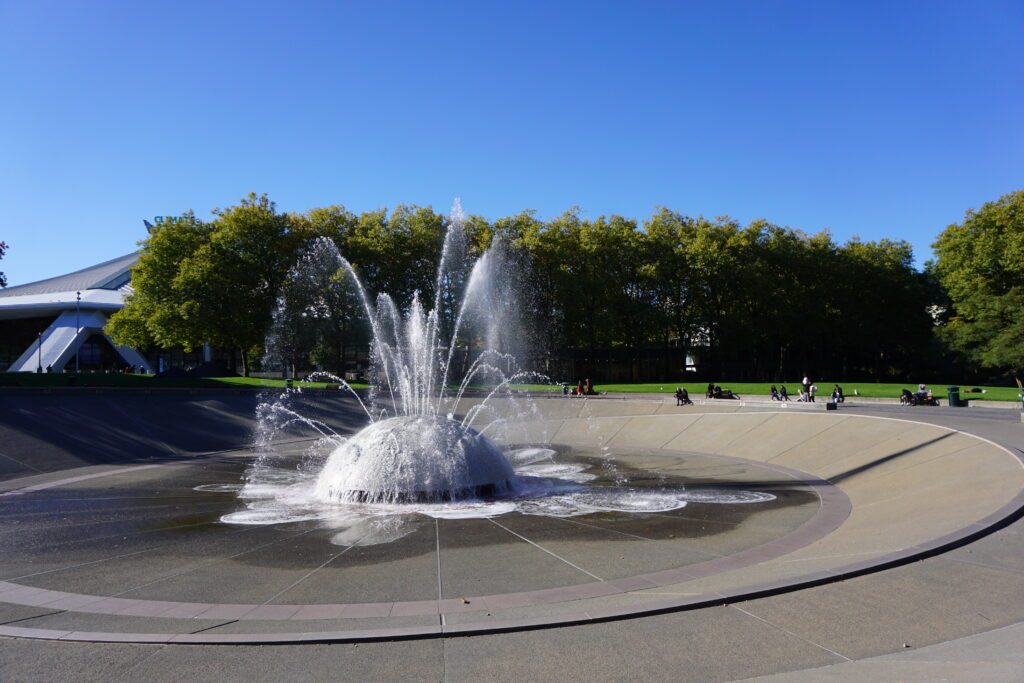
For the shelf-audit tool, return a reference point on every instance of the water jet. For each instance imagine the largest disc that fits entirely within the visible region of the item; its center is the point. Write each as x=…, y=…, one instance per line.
x=427, y=450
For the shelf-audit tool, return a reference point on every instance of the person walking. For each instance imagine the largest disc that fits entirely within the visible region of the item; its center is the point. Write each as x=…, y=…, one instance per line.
x=812, y=391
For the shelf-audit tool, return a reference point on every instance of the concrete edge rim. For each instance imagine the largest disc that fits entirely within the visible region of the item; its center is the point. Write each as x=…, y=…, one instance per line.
x=1006, y=514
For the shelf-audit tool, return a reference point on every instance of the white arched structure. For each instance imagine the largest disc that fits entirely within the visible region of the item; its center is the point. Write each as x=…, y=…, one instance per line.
x=102, y=289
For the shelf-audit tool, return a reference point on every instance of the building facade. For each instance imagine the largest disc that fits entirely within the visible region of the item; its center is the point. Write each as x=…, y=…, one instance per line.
x=56, y=324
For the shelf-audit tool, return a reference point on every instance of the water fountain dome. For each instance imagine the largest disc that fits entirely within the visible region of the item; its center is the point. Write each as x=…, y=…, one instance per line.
x=419, y=458
x=414, y=449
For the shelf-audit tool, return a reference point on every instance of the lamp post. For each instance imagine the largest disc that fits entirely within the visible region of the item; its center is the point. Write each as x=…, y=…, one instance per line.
x=78, y=327
x=39, y=367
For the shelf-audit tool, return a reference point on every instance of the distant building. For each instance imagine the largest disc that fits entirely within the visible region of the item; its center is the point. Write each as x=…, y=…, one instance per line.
x=43, y=325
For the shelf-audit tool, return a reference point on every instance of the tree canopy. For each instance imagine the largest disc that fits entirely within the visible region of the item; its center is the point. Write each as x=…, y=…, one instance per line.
x=980, y=263
x=617, y=298
x=213, y=282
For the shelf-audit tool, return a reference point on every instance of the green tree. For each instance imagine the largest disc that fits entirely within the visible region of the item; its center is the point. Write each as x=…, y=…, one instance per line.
x=539, y=275
x=620, y=312
x=673, y=277
x=397, y=253
x=884, y=300
x=157, y=311
x=334, y=222
x=980, y=262
x=213, y=282
x=318, y=315
x=231, y=282
x=554, y=249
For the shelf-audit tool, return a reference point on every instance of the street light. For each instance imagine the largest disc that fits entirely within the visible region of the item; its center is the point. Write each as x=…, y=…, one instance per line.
x=78, y=327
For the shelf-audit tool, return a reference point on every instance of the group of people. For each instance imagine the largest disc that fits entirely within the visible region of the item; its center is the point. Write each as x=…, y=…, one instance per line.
x=582, y=388
x=716, y=391
x=808, y=390
x=923, y=396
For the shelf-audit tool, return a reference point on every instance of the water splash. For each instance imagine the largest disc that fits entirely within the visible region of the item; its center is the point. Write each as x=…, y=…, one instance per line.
x=415, y=458
x=414, y=448
x=546, y=485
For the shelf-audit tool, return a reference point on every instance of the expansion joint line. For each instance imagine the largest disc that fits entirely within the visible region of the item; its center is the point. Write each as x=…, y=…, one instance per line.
x=677, y=434
x=437, y=542
x=612, y=437
x=34, y=616
x=208, y=563
x=210, y=628
x=116, y=557
x=601, y=528
x=540, y=547
x=84, y=564
x=795, y=635
x=308, y=574
x=23, y=464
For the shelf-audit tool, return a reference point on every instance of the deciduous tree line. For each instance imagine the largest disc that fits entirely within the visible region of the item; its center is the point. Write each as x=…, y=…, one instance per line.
x=622, y=299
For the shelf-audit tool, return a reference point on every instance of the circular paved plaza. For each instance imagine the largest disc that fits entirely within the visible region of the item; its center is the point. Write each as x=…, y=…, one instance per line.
x=134, y=551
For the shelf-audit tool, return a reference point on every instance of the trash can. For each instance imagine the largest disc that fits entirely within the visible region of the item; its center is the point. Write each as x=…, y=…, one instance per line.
x=954, y=397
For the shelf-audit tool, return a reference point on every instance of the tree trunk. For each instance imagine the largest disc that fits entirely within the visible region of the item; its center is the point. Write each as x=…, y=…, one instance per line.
x=245, y=362
x=666, y=361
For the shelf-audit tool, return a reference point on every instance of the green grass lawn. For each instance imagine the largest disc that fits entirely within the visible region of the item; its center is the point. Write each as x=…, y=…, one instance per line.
x=868, y=389
x=28, y=379
x=696, y=389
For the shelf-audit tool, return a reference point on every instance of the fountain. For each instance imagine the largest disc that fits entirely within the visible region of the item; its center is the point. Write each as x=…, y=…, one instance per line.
x=416, y=456
x=422, y=453
x=414, y=449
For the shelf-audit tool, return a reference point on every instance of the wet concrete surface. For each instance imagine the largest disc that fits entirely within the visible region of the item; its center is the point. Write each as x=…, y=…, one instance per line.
x=965, y=591
x=150, y=535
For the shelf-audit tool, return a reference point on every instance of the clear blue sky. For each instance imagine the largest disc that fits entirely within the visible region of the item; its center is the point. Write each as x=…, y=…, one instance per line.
x=878, y=119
